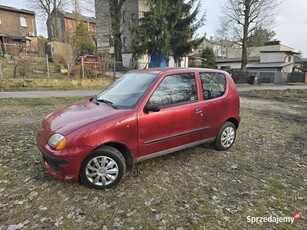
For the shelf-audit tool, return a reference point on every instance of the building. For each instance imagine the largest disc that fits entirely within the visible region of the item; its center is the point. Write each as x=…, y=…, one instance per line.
x=272, y=63
x=17, y=30
x=67, y=24
x=220, y=48
x=272, y=52
x=300, y=64
x=132, y=11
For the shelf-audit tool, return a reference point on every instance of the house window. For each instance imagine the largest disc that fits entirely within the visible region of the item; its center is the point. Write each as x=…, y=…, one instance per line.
x=124, y=42
x=289, y=59
x=124, y=16
x=146, y=14
x=23, y=22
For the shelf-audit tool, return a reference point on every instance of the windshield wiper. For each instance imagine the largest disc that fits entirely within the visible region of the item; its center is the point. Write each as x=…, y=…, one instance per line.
x=110, y=103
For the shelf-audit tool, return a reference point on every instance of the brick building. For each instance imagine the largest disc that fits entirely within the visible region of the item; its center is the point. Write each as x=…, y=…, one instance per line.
x=67, y=25
x=17, y=30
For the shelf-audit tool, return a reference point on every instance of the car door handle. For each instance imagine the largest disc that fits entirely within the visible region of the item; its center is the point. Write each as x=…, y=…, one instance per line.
x=198, y=110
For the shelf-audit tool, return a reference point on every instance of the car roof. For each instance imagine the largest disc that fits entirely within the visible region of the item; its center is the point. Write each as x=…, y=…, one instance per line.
x=176, y=70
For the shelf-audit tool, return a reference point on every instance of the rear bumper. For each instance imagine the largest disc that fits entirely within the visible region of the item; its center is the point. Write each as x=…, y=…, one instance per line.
x=64, y=164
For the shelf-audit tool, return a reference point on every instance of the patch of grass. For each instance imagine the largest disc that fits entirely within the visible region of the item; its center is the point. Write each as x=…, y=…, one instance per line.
x=199, y=188
x=289, y=95
x=54, y=84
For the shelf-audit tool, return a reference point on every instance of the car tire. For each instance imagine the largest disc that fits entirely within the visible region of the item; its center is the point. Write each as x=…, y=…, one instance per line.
x=226, y=136
x=103, y=168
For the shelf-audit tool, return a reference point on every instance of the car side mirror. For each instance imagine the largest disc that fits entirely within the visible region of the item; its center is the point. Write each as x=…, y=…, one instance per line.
x=151, y=108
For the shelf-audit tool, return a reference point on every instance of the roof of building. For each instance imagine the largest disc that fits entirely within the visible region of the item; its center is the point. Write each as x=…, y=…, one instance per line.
x=226, y=60
x=12, y=9
x=74, y=16
x=268, y=65
x=16, y=37
x=279, y=51
x=298, y=59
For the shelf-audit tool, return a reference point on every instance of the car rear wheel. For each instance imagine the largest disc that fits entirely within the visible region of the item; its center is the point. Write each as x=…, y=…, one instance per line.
x=103, y=168
x=226, y=136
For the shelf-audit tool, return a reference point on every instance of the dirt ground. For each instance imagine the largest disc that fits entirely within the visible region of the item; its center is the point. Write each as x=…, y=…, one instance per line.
x=263, y=175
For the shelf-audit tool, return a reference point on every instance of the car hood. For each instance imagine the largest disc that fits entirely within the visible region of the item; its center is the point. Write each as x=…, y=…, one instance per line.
x=73, y=117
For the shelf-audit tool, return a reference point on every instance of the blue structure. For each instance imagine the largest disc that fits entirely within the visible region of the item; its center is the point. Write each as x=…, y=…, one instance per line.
x=154, y=60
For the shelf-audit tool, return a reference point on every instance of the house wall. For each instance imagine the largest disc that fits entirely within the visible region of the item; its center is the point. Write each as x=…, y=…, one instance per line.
x=288, y=69
x=132, y=11
x=255, y=51
x=219, y=50
x=272, y=57
x=10, y=23
x=276, y=48
x=232, y=65
x=55, y=49
x=103, y=31
x=234, y=53
x=71, y=26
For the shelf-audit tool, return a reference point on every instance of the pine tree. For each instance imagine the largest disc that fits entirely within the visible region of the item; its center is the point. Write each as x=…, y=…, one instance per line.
x=168, y=28
x=82, y=41
x=182, y=41
x=208, y=58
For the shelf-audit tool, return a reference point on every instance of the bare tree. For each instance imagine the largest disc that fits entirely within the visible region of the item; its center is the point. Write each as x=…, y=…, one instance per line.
x=108, y=18
x=243, y=17
x=111, y=11
x=87, y=6
x=44, y=9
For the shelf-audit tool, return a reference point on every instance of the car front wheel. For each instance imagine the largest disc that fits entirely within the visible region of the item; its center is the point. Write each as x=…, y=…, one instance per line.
x=226, y=136
x=103, y=168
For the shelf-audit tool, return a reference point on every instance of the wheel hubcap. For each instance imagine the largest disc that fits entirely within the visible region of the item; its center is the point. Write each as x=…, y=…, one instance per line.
x=228, y=137
x=101, y=170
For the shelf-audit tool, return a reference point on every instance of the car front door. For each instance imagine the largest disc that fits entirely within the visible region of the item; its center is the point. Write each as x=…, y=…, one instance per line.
x=180, y=119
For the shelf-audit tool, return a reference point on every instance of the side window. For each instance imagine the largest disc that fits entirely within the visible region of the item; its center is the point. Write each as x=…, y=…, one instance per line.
x=214, y=85
x=175, y=89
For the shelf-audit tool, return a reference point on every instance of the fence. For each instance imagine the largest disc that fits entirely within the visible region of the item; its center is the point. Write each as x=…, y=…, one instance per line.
x=296, y=77
x=268, y=77
x=35, y=66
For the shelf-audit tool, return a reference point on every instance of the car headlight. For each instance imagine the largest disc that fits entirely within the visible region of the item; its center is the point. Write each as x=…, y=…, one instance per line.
x=57, y=141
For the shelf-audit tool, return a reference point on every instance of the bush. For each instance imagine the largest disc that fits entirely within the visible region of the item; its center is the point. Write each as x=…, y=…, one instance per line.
x=24, y=68
x=89, y=72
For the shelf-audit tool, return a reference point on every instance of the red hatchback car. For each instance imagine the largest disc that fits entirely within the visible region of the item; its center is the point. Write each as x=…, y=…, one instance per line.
x=144, y=114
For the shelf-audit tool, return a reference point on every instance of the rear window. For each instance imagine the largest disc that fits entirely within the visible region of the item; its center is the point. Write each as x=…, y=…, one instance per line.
x=213, y=84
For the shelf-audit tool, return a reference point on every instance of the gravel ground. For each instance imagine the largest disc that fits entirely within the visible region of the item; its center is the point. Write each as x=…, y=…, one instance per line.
x=263, y=175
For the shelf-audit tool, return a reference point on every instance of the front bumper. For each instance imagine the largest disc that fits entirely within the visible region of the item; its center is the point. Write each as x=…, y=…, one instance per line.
x=64, y=164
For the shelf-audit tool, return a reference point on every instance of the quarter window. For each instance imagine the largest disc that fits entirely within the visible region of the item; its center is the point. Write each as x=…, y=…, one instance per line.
x=214, y=85
x=175, y=89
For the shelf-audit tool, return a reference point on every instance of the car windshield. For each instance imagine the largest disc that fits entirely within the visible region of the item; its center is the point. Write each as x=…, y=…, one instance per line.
x=128, y=90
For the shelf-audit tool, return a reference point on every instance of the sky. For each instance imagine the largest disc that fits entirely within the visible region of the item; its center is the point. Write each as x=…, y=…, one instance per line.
x=290, y=27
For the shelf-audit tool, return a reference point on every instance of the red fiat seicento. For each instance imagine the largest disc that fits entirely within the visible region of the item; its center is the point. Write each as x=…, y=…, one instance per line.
x=144, y=114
